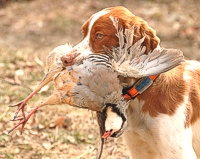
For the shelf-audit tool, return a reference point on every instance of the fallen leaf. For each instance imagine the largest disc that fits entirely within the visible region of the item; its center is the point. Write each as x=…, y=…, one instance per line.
x=40, y=126
x=47, y=145
x=16, y=150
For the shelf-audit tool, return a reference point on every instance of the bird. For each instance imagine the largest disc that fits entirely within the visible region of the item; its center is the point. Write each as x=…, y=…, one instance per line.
x=79, y=86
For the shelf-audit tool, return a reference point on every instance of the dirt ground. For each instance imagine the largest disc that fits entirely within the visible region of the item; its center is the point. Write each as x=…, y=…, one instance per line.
x=29, y=30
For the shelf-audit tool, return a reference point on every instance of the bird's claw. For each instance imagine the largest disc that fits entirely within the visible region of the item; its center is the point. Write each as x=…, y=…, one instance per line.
x=16, y=119
x=17, y=104
x=20, y=106
x=22, y=120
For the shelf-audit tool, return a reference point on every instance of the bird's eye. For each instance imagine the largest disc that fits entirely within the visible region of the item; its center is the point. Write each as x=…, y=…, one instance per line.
x=99, y=36
x=82, y=32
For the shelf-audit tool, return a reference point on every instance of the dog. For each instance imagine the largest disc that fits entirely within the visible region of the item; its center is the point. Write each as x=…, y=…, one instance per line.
x=163, y=121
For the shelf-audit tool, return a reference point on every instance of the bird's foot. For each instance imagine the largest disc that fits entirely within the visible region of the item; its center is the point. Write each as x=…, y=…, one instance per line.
x=23, y=120
x=21, y=105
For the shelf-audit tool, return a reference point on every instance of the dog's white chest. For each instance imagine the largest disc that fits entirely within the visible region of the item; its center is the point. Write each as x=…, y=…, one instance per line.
x=157, y=137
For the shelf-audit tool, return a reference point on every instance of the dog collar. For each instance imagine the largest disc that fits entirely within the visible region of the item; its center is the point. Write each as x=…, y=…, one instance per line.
x=138, y=87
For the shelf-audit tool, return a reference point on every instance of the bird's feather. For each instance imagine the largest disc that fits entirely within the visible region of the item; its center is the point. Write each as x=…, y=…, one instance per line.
x=130, y=60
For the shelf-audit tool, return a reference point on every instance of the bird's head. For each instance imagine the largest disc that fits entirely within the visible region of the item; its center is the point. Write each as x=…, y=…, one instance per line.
x=115, y=120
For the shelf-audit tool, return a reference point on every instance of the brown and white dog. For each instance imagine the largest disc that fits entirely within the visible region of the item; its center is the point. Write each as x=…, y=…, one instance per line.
x=164, y=121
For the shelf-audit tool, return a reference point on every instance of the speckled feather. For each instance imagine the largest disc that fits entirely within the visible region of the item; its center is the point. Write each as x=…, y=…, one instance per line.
x=130, y=60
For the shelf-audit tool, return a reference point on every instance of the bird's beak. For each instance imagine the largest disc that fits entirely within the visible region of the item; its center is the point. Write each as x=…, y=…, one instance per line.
x=107, y=134
x=110, y=134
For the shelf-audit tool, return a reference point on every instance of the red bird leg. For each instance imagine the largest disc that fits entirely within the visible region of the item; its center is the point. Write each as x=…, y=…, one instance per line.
x=22, y=120
x=48, y=78
x=21, y=105
x=52, y=100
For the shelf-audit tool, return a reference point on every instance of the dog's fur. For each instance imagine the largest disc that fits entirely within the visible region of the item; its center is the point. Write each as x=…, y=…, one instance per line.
x=164, y=121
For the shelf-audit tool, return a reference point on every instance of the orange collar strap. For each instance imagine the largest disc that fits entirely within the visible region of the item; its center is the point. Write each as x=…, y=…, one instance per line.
x=138, y=87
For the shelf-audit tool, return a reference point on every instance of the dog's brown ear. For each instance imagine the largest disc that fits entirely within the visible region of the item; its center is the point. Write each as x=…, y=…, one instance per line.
x=142, y=29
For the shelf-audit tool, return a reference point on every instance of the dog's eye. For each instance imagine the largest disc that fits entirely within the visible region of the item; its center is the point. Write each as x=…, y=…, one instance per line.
x=99, y=36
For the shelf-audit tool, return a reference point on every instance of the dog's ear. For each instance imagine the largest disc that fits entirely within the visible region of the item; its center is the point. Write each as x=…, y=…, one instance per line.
x=142, y=29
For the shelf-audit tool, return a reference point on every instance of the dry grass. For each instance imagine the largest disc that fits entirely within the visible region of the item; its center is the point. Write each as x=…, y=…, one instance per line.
x=31, y=29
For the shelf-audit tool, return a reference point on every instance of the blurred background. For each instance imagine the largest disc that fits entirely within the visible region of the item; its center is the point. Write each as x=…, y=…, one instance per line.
x=29, y=30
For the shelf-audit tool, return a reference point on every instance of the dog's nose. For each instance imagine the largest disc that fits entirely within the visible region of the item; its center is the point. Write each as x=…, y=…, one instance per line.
x=66, y=60
x=69, y=59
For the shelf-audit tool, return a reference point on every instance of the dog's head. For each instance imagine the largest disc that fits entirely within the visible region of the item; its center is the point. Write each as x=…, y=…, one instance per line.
x=100, y=33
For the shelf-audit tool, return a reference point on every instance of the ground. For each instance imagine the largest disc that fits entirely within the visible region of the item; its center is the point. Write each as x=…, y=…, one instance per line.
x=31, y=29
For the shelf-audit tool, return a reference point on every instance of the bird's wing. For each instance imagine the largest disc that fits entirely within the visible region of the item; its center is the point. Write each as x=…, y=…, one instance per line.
x=131, y=61
x=156, y=62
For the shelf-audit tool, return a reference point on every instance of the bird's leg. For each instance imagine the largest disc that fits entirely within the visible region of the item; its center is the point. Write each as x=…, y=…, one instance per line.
x=48, y=78
x=52, y=100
